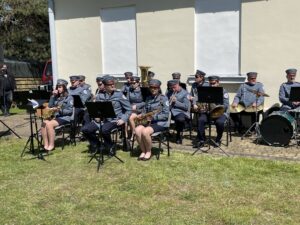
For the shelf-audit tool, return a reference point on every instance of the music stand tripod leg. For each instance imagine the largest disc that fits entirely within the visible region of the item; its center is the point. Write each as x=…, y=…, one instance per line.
x=9, y=129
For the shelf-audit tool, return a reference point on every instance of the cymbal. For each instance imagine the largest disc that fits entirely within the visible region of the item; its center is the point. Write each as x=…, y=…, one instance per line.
x=258, y=93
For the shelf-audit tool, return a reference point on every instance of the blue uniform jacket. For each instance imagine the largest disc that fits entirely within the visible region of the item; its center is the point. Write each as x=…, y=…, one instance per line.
x=182, y=103
x=120, y=104
x=158, y=102
x=87, y=90
x=284, y=93
x=125, y=88
x=135, y=98
x=65, y=104
x=84, y=94
x=246, y=97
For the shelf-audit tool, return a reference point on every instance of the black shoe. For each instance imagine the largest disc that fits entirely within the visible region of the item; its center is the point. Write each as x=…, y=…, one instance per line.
x=199, y=144
x=217, y=144
x=93, y=149
x=112, y=151
x=179, y=141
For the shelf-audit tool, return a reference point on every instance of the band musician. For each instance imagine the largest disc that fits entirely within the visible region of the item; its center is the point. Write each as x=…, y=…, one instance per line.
x=249, y=96
x=59, y=113
x=126, y=86
x=199, y=82
x=179, y=107
x=214, y=81
x=155, y=117
x=77, y=89
x=122, y=110
x=285, y=90
x=136, y=101
x=100, y=86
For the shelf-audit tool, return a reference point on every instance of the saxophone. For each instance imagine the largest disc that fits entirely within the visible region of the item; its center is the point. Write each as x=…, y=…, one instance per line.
x=142, y=120
x=49, y=113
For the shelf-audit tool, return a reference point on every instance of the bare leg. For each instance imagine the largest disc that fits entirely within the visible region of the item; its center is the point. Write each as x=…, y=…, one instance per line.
x=147, y=140
x=138, y=134
x=132, y=124
x=51, y=133
x=44, y=134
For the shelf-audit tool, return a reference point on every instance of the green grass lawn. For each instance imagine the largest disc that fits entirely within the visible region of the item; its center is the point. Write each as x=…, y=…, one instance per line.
x=180, y=189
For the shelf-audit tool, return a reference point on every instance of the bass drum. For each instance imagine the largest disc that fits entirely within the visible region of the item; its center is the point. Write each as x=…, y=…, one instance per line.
x=278, y=128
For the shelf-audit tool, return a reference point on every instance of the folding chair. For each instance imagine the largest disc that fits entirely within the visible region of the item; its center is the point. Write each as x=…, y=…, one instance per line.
x=162, y=137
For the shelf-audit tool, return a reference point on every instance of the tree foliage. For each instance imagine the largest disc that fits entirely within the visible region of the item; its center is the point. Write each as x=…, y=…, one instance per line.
x=24, y=29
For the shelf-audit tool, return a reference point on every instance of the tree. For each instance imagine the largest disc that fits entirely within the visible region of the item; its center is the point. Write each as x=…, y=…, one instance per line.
x=24, y=29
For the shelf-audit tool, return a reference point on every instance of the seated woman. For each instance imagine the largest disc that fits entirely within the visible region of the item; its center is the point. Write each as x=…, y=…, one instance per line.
x=156, y=117
x=136, y=100
x=61, y=104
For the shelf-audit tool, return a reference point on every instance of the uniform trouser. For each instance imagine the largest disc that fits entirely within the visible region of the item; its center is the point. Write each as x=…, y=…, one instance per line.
x=89, y=130
x=78, y=115
x=6, y=101
x=179, y=123
x=219, y=122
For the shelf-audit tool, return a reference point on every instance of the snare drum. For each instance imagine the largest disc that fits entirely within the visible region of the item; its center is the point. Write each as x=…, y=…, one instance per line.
x=278, y=128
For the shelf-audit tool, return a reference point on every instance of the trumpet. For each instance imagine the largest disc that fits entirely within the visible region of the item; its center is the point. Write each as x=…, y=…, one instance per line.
x=173, y=97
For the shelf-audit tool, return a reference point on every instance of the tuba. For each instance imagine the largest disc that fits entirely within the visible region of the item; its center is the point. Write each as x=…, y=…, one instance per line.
x=144, y=75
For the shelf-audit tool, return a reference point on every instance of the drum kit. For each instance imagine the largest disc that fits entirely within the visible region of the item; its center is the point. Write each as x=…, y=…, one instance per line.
x=278, y=128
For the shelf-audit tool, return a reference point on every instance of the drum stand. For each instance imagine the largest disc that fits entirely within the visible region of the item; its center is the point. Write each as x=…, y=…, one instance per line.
x=255, y=125
x=296, y=132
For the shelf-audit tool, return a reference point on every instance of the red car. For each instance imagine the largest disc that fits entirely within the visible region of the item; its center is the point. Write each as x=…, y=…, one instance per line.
x=47, y=73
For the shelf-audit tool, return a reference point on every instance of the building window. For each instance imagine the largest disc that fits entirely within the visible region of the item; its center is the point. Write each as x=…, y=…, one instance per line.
x=218, y=36
x=118, y=34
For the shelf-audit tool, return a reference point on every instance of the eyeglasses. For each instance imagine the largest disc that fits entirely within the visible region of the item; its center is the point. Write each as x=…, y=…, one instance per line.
x=154, y=87
x=212, y=83
x=252, y=78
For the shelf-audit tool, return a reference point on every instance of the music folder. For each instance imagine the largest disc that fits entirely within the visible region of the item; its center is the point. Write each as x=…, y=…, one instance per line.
x=210, y=94
x=100, y=109
x=295, y=94
x=145, y=92
x=77, y=101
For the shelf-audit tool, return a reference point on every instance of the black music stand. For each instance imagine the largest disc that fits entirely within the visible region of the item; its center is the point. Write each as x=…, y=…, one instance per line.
x=39, y=94
x=101, y=110
x=210, y=95
x=34, y=136
x=145, y=92
x=77, y=101
x=78, y=107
